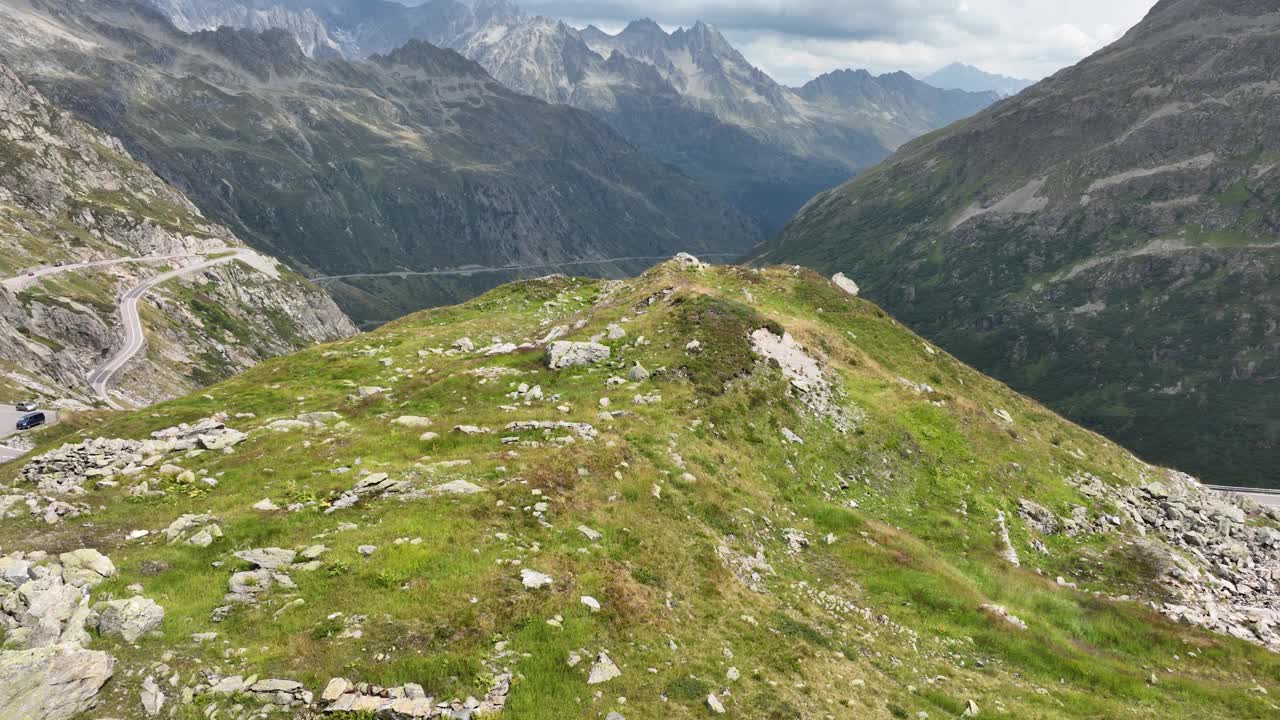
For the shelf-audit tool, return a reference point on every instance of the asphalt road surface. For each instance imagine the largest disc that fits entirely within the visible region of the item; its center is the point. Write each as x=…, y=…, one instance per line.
x=1262, y=497
x=8, y=419
x=32, y=275
x=134, y=340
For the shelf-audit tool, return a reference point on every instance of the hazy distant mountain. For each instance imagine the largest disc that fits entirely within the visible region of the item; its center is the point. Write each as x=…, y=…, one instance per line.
x=413, y=160
x=688, y=98
x=1108, y=240
x=958, y=76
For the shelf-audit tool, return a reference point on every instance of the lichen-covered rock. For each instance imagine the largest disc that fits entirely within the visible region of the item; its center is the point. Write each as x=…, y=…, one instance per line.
x=55, y=682
x=563, y=354
x=130, y=618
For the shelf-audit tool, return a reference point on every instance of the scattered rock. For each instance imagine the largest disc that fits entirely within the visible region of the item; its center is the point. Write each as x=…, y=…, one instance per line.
x=533, y=579
x=603, y=670
x=267, y=558
x=152, y=698
x=1000, y=613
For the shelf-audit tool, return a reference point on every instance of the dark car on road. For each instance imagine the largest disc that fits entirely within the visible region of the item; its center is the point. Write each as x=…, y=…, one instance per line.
x=27, y=422
x=25, y=407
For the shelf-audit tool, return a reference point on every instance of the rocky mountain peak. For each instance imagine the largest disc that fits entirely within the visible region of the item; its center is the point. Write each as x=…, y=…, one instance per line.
x=434, y=60
x=705, y=39
x=643, y=27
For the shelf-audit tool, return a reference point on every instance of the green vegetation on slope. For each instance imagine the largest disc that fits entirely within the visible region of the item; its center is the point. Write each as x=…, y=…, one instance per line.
x=876, y=614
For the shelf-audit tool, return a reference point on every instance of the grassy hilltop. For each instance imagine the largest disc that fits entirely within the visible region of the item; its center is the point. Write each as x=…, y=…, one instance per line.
x=809, y=536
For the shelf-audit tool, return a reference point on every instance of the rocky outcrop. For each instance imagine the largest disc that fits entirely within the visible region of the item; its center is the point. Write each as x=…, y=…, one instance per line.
x=45, y=672
x=1217, y=556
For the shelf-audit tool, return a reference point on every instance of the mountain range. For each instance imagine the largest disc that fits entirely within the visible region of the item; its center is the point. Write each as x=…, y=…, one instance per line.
x=688, y=98
x=959, y=76
x=416, y=160
x=81, y=223
x=1106, y=240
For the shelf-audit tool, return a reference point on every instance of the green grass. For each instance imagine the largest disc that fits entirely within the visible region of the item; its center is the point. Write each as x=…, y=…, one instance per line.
x=881, y=622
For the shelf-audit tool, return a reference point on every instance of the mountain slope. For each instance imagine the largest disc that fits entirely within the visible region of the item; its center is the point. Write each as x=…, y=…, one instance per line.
x=1105, y=241
x=412, y=161
x=958, y=76
x=793, y=508
x=688, y=98
x=68, y=195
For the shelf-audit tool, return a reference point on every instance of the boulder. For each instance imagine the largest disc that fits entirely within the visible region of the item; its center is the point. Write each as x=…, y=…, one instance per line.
x=130, y=618
x=562, y=354
x=637, y=373
x=603, y=670
x=533, y=579
x=686, y=260
x=55, y=682
x=845, y=284
x=44, y=611
x=85, y=567
x=152, y=697
x=267, y=558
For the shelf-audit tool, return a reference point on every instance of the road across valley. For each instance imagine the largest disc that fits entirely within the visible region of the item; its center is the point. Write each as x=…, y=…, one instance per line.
x=134, y=339
x=475, y=270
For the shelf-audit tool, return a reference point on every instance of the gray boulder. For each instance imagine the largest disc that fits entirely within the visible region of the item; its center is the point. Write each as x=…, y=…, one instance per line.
x=130, y=618
x=53, y=682
x=562, y=354
x=86, y=567
x=43, y=611
x=267, y=558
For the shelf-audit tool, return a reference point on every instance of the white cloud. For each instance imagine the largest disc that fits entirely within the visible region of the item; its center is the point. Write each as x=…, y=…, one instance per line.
x=793, y=40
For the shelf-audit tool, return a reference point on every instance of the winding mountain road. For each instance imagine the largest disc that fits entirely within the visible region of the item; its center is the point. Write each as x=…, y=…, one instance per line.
x=134, y=340
x=19, y=282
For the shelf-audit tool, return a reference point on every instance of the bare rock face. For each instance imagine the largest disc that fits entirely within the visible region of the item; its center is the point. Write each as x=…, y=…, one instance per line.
x=54, y=682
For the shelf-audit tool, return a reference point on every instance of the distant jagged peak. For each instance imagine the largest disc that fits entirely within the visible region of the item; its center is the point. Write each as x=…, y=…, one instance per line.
x=704, y=36
x=422, y=55
x=644, y=27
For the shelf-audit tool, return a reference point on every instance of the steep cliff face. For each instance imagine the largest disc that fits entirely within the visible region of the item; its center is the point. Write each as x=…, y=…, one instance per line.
x=1106, y=240
x=416, y=160
x=70, y=195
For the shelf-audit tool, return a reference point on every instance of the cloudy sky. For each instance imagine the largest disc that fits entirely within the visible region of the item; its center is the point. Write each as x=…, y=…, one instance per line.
x=794, y=40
